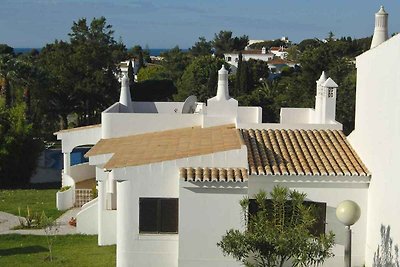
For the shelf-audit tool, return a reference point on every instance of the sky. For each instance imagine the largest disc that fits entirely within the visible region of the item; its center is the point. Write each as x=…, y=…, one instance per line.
x=166, y=23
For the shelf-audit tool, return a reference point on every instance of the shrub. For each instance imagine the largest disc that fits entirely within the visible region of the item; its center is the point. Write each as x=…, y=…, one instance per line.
x=278, y=234
x=64, y=188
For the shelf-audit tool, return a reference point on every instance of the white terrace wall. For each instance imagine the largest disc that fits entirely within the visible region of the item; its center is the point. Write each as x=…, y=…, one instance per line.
x=156, y=180
x=73, y=138
x=332, y=193
x=83, y=171
x=106, y=218
x=124, y=124
x=249, y=115
x=296, y=115
x=376, y=137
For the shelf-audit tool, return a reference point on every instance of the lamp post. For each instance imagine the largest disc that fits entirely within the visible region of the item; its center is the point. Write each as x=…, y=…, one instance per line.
x=348, y=213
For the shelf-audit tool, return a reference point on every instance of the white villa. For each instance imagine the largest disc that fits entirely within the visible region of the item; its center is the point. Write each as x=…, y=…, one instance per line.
x=263, y=54
x=170, y=175
x=275, y=57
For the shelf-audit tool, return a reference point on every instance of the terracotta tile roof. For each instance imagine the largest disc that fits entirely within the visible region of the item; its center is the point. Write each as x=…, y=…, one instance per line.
x=278, y=48
x=278, y=60
x=301, y=152
x=78, y=128
x=167, y=145
x=214, y=174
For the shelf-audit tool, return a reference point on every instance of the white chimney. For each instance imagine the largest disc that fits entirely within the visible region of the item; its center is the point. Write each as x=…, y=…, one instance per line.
x=381, y=28
x=263, y=50
x=325, y=100
x=222, y=89
x=125, y=97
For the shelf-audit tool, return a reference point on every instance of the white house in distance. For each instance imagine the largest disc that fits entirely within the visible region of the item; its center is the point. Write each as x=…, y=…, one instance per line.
x=170, y=175
x=258, y=54
x=275, y=57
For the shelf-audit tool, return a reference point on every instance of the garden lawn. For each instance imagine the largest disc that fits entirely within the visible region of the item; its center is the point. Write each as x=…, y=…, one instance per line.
x=37, y=200
x=68, y=250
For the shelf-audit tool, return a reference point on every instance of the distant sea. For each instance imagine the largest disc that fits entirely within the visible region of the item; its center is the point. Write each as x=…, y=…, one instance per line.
x=153, y=51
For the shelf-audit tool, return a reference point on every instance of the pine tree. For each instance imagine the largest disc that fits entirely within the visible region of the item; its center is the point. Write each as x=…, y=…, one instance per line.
x=238, y=81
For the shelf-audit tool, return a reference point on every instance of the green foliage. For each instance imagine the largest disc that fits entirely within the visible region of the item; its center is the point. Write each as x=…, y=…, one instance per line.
x=154, y=90
x=131, y=75
x=7, y=74
x=81, y=73
x=5, y=49
x=201, y=48
x=29, y=220
x=153, y=72
x=278, y=234
x=94, y=192
x=200, y=78
x=17, y=146
x=262, y=97
x=309, y=44
x=65, y=188
x=175, y=62
x=268, y=44
x=224, y=42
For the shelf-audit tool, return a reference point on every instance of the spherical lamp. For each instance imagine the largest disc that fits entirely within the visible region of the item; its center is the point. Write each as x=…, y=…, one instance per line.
x=348, y=212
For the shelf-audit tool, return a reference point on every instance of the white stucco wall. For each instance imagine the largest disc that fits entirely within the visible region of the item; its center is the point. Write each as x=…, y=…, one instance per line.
x=376, y=137
x=156, y=180
x=86, y=219
x=249, y=115
x=78, y=137
x=124, y=124
x=157, y=107
x=65, y=199
x=206, y=211
x=296, y=115
x=332, y=194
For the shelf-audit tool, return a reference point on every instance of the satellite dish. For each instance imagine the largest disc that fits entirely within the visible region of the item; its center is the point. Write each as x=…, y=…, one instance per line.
x=190, y=105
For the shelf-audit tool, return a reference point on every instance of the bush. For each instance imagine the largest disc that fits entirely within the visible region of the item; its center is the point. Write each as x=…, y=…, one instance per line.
x=19, y=150
x=65, y=188
x=278, y=233
x=29, y=220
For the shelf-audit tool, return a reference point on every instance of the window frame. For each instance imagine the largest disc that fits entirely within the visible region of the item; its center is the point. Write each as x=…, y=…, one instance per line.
x=160, y=223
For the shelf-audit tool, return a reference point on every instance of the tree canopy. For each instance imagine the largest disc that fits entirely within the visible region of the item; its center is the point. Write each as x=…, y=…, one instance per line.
x=200, y=78
x=224, y=42
x=82, y=72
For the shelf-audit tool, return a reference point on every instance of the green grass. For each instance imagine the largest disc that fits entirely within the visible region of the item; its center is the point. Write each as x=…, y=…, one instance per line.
x=37, y=200
x=68, y=250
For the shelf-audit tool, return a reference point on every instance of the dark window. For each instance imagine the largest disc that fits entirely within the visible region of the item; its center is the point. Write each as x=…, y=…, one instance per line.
x=319, y=212
x=330, y=92
x=158, y=215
